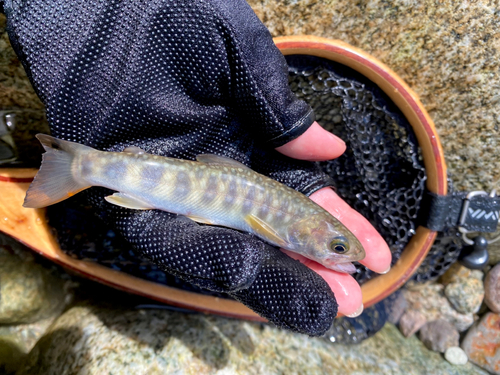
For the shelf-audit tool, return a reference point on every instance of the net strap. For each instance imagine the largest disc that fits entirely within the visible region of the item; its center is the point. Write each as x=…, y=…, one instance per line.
x=475, y=211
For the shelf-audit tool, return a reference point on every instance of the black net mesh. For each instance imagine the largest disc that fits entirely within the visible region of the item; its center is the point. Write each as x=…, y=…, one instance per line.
x=381, y=175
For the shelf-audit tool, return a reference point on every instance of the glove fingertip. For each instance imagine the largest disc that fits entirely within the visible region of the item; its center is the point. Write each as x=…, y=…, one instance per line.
x=291, y=296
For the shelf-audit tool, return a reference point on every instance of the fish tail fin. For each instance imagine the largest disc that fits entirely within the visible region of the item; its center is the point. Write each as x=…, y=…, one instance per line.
x=54, y=181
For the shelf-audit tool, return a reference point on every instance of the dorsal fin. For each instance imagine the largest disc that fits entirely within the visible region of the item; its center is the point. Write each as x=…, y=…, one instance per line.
x=216, y=159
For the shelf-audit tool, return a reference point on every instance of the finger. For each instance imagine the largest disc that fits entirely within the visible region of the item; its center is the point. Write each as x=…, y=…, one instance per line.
x=378, y=256
x=315, y=144
x=346, y=290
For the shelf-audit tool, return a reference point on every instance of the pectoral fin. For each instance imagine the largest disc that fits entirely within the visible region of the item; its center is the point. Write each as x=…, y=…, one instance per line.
x=127, y=201
x=263, y=229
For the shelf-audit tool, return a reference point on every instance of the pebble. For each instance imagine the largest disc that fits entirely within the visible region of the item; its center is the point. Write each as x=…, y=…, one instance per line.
x=492, y=289
x=482, y=343
x=456, y=356
x=430, y=301
x=411, y=322
x=397, y=309
x=439, y=335
x=465, y=295
x=455, y=273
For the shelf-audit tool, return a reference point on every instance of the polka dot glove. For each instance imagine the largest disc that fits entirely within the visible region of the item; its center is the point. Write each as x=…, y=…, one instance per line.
x=180, y=78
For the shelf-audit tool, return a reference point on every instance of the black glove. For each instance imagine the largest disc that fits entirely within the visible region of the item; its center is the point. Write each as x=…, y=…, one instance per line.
x=180, y=78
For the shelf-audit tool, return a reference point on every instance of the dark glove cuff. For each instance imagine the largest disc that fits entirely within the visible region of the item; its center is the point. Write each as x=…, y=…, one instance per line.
x=317, y=184
x=294, y=131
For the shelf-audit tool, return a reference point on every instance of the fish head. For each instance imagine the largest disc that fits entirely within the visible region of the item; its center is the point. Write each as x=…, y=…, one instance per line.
x=327, y=241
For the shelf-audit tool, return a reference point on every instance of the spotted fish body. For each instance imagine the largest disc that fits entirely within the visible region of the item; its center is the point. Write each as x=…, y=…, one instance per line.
x=212, y=190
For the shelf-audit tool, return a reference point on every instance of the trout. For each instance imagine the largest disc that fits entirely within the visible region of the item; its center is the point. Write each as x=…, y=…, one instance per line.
x=211, y=190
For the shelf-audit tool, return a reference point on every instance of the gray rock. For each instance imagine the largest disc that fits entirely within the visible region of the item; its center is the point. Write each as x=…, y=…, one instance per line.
x=411, y=321
x=465, y=295
x=28, y=291
x=429, y=299
x=456, y=356
x=11, y=355
x=439, y=335
x=492, y=289
x=102, y=340
x=397, y=309
x=482, y=343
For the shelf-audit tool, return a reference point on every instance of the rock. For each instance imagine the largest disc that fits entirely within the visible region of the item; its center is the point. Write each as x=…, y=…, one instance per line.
x=28, y=291
x=11, y=355
x=463, y=288
x=465, y=295
x=428, y=299
x=397, y=309
x=439, y=335
x=482, y=343
x=456, y=356
x=492, y=289
x=101, y=340
x=455, y=273
x=411, y=321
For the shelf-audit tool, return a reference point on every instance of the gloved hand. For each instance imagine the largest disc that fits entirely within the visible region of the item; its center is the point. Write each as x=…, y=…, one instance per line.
x=181, y=78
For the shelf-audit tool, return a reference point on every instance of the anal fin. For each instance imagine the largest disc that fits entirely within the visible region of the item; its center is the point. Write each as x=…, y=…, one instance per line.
x=263, y=229
x=124, y=200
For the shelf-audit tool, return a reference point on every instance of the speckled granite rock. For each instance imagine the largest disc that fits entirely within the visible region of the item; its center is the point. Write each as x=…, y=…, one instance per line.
x=99, y=340
x=464, y=289
x=482, y=343
x=455, y=273
x=492, y=289
x=429, y=299
x=16, y=341
x=494, y=250
x=446, y=51
x=28, y=292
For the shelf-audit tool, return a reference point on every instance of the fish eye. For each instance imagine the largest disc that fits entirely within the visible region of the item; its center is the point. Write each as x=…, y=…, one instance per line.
x=340, y=245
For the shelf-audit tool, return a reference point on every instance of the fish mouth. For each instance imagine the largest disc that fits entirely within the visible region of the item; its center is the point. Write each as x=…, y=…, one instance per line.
x=343, y=267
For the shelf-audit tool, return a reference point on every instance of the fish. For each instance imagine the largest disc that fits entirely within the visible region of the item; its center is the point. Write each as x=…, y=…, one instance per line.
x=212, y=190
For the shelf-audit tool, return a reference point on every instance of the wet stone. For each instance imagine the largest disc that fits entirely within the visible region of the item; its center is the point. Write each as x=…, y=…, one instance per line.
x=28, y=291
x=492, y=289
x=439, y=335
x=101, y=340
x=482, y=343
x=456, y=356
x=411, y=321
